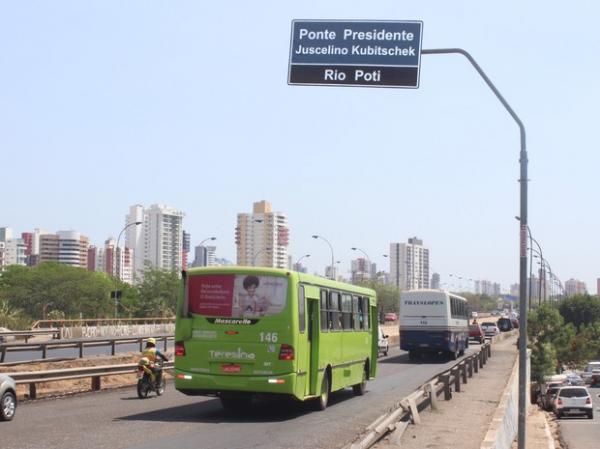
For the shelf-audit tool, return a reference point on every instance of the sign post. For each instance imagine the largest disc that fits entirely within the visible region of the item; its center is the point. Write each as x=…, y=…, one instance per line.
x=355, y=53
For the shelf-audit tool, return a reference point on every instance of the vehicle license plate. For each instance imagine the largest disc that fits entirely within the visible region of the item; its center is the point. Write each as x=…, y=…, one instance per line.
x=424, y=345
x=231, y=368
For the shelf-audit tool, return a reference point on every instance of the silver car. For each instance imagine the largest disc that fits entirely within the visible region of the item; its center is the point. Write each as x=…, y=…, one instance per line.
x=8, y=398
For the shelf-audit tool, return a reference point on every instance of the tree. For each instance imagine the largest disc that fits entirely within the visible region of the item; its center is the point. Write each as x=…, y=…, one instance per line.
x=581, y=310
x=158, y=292
x=388, y=295
x=72, y=291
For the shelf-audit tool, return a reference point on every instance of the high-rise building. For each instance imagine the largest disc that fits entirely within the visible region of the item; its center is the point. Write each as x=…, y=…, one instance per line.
x=598, y=287
x=575, y=287
x=185, y=249
x=361, y=270
x=262, y=237
x=14, y=249
x=204, y=256
x=435, y=281
x=66, y=247
x=489, y=288
x=158, y=241
x=409, y=265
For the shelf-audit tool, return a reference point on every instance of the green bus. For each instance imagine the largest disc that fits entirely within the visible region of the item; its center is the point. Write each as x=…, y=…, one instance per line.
x=244, y=331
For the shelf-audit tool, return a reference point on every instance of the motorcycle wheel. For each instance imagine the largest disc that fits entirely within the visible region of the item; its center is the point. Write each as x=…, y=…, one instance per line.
x=160, y=389
x=142, y=389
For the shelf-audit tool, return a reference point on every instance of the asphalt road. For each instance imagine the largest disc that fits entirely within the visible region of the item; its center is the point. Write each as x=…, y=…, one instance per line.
x=581, y=432
x=118, y=419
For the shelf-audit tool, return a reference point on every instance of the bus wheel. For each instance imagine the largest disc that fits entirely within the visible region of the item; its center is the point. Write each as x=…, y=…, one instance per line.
x=361, y=388
x=323, y=399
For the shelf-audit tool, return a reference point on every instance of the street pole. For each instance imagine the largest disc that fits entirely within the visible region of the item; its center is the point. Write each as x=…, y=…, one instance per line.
x=117, y=274
x=522, y=242
x=332, y=258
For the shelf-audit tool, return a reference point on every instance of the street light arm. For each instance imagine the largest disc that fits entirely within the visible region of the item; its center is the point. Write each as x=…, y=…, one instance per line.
x=315, y=236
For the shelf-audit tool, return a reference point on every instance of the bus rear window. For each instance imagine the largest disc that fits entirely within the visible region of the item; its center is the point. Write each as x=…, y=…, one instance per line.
x=235, y=295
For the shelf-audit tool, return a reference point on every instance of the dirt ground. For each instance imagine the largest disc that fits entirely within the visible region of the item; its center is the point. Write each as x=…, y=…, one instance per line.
x=61, y=388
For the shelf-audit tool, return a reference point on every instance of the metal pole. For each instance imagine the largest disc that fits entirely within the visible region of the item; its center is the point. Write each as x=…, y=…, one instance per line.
x=117, y=275
x=522, y=242
x=332, y=258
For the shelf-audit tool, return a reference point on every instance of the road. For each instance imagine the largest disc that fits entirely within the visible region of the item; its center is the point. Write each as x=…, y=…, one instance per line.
x=580, y=432
x=117, y=419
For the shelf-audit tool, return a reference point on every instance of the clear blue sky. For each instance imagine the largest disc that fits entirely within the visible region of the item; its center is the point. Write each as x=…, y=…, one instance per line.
x=104, y=104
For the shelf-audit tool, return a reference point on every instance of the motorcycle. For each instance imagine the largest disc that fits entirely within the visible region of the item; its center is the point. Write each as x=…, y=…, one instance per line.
x=149, y=380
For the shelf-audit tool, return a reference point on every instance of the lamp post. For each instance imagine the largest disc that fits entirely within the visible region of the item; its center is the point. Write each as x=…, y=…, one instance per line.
x=331, y=248
x=303, y=257
x=367, y=256
x=117, y=274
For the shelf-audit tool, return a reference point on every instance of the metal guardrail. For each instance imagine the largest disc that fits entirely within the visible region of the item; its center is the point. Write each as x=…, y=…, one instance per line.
x=407, y=409
x=94, y=372
x=79, y=343
x=42, y=324
x=31, y=333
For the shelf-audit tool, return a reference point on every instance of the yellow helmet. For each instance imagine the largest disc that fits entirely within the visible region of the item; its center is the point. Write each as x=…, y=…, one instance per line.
x=144, y=361
x=151, y=340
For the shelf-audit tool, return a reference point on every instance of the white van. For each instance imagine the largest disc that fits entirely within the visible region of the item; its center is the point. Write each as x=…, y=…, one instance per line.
x=587, y=373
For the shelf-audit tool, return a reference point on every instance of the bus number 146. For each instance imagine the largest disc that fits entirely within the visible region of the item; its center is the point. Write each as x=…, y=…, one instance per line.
x=270, y=337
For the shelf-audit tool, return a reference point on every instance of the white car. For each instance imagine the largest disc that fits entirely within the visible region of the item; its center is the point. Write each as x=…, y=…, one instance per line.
x=490, y=329
x=573, y=401
x=383, y=344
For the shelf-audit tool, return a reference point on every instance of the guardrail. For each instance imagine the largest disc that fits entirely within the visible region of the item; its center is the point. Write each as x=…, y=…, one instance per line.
x=79, y=343
x=31, y=333
x=95, y=373
x=41, y=324
x=408, y=408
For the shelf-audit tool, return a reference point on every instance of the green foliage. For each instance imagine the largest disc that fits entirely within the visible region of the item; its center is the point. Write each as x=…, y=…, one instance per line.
x=57, y=291
x=543, y=362
x=70, y=291
x=479, y=302
x=158, y=292
x=388, y=296
x=581, y=310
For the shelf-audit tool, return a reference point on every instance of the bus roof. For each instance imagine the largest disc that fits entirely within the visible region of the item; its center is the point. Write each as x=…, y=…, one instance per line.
x=300, y=277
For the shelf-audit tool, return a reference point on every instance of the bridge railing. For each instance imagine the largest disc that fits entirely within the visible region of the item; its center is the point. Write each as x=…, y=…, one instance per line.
x=79, y=343
x=94, y=372
x=27, y=334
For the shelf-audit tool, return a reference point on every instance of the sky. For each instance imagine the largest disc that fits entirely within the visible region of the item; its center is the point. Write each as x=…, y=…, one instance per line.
x=106, y=104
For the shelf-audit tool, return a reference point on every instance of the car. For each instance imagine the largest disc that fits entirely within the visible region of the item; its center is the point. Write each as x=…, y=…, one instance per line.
x=8, y=398
x=575, y=379
x=595, y=378
x=548, y=396
x=587, y=373
x=505, y=324
x=391, y=316
x=476, y=332
x=383, y=344
x=573, y=401
x=490, y=329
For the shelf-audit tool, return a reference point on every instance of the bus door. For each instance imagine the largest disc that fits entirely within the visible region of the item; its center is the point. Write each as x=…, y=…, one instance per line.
x=313, y=314
x=374, y=339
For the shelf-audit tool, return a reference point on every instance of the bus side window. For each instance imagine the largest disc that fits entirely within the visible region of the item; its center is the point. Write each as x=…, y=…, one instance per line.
x=301, y=310
x=324, y=312
x=347, y=311
x=334, y=310
x=356, y=312
x=366, y=324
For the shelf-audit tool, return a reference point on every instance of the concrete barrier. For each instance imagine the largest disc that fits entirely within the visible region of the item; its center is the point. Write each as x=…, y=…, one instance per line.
x=503, y=428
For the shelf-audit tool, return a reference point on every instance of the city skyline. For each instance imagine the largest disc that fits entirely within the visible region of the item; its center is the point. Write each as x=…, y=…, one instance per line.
x=100, y=119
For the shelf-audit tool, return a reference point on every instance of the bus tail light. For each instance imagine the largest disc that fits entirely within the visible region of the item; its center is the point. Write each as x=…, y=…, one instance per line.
x=286, y=352
x=179, y=349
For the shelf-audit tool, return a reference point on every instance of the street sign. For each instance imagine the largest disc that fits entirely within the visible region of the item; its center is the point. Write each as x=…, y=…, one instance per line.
x=355, y=53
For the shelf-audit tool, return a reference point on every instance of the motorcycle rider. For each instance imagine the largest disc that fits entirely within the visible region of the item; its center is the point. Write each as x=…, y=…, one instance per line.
x=151, y=353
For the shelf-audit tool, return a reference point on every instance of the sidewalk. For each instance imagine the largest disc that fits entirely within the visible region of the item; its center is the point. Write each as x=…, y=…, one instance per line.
x=462, y=422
